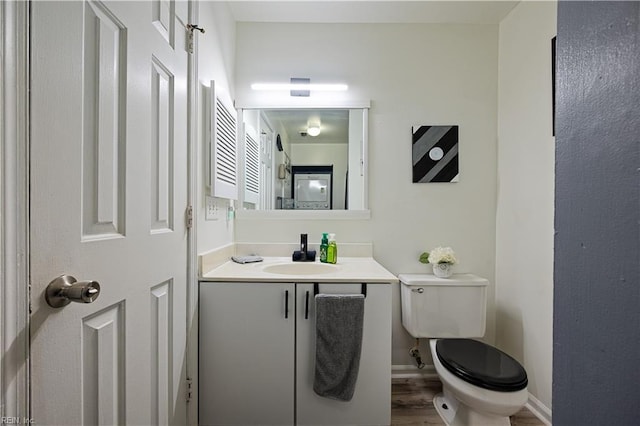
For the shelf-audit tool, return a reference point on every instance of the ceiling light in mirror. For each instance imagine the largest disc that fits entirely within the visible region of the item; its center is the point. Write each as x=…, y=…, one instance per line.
x=313, y=129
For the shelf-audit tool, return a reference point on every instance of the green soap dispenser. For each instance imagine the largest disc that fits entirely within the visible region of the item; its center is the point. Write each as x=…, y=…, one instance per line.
x=332, y=249
x=324, y=245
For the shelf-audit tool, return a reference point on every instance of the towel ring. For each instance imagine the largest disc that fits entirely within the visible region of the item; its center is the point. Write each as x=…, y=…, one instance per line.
x=363, y=289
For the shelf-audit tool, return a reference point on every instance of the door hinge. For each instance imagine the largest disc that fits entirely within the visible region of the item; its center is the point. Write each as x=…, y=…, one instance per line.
x=190, y=39
x=189, y=390
x=189, y=217
x=29, y=298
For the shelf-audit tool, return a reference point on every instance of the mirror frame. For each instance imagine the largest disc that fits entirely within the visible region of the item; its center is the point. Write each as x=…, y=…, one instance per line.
x=305, y=103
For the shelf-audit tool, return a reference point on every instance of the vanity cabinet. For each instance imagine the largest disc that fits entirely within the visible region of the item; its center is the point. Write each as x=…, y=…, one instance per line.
x=257, y=356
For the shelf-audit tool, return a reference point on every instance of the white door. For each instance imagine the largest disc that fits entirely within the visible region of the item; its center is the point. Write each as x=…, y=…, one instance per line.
x=108, y=197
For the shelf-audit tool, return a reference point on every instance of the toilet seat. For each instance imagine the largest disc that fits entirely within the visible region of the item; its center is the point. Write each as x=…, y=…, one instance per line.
x=482, y=365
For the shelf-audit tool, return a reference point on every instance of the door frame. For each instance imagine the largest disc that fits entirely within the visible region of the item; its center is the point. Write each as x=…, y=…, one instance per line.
x=192, y=196
x=14, y=211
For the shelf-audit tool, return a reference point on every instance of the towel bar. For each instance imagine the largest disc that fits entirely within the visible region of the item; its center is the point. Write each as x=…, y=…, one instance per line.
x=316, y=289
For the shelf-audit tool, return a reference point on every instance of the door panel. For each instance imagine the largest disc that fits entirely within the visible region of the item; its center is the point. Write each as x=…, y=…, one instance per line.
x=103, y=379
x=161, y=351
x=108, y=196
x=103, y=125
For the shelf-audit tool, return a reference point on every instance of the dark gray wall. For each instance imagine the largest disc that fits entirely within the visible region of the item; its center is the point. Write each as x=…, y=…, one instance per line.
x=596, y=360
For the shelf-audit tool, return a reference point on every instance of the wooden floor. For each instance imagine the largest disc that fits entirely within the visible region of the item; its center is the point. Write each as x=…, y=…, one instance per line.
x=411, y=404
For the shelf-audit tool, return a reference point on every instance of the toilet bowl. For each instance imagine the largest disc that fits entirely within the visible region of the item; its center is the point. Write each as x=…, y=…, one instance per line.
x=481, y=384
x=477, y=389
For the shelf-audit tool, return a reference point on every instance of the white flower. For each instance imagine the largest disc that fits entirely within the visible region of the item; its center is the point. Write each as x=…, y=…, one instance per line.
x=442, y=255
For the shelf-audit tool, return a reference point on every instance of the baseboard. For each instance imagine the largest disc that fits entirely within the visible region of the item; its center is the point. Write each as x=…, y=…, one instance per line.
x=539, y=410
x=399, y=371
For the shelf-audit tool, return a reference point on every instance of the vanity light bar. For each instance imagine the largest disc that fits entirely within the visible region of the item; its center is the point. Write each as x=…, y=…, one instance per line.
x=319, y=87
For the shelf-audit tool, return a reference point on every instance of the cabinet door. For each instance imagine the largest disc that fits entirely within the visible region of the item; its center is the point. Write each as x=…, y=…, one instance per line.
x=371, y=403
x=246, y=354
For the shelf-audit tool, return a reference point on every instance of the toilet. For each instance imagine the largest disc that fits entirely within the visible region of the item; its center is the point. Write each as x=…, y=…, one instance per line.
x=481, y=385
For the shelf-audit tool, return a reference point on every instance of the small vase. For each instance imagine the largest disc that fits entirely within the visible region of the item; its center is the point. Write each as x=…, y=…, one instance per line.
x=442, y=270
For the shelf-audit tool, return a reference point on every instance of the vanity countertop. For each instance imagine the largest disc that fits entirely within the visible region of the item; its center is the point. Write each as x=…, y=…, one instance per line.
x=347, y=270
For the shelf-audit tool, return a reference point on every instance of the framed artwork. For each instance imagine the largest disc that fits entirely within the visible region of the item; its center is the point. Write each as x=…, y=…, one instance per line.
x=435, y=154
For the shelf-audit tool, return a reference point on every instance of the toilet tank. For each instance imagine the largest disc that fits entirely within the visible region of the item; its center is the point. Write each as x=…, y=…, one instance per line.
x=444, y=307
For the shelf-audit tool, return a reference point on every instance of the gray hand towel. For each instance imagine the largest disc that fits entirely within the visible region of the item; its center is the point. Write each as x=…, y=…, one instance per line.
x=339, y=321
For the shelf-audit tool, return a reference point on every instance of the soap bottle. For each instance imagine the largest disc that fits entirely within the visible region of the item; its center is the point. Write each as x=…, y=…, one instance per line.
x=332, y=249
x=324, y=244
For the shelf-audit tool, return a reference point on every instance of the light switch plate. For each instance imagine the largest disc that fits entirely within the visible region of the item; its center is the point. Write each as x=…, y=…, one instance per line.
x=211, y=209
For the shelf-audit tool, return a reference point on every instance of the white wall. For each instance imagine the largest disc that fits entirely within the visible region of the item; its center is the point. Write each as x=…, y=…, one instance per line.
x=524, y=224
x=215, y=62
x=413, y=74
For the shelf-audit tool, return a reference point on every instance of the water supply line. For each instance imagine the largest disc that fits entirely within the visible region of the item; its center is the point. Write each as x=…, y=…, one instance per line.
x=415, y=353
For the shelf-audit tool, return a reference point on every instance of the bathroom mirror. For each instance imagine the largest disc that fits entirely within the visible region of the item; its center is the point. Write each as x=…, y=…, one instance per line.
x=301, y=159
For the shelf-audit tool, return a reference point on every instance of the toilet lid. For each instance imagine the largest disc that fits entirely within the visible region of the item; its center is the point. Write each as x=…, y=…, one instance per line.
x=481, y=365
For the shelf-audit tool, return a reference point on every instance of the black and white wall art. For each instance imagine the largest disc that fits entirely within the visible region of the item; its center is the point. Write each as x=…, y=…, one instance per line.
x=435, y=154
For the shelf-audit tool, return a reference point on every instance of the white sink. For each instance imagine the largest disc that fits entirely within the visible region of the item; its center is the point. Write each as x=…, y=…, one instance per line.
x=301, y=268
